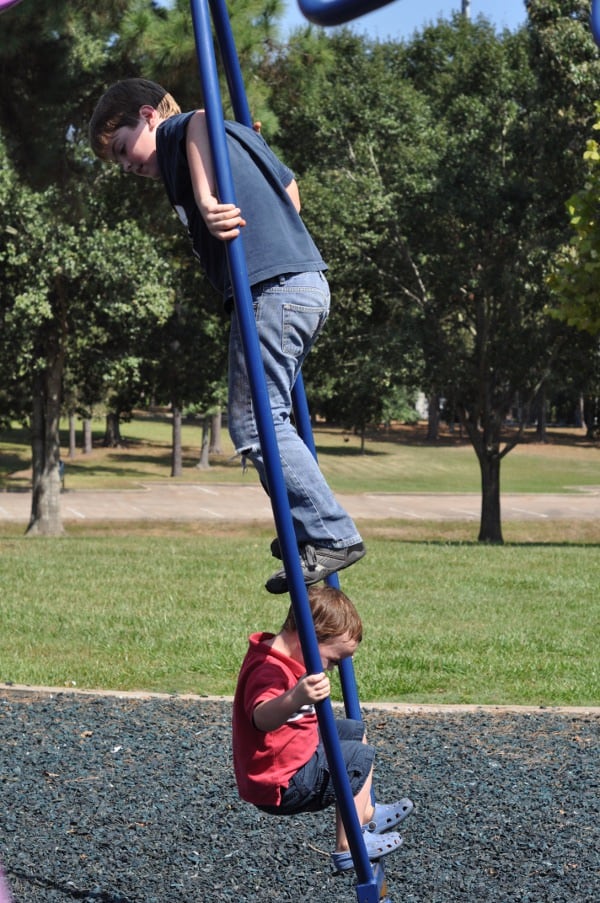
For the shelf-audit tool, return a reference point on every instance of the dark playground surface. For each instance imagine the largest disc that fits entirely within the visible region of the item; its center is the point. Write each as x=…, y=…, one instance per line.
x=132, y=800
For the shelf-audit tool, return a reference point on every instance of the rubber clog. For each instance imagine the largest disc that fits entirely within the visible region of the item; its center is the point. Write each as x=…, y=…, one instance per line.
x=378, y=846
x=389, y=815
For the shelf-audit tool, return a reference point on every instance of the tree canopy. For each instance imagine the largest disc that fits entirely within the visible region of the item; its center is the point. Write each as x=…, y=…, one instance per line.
x=575, y=279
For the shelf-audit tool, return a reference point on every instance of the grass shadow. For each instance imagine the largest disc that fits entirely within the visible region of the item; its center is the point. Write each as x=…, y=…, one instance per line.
x=507, y=544
x=348, y=451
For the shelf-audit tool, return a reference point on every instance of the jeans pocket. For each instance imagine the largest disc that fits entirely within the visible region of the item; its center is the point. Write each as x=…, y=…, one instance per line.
x=301, y=327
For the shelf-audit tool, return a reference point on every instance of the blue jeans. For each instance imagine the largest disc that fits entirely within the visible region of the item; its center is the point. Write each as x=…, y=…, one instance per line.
x=290, y=313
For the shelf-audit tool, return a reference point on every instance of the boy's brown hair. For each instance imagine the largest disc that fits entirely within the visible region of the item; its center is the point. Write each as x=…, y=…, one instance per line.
x=333, y=613
x=120, y=106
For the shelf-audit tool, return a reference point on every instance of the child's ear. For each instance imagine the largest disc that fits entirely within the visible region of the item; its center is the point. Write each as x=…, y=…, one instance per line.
x=150, y=114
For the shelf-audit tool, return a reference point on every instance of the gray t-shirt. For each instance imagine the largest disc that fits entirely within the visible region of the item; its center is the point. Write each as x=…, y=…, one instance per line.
x=275, y=239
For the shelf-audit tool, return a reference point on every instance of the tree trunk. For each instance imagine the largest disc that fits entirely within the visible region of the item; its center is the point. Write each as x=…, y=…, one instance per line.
x=45, y=517
x=204, y=462
x=87, y=436
x=589, y=416
x=112, y=433
x=490, y=527
x=215, y=434
x=579, y=412
x=72, y=435
x=433, y=418
x=540, y=432
x=176, y=457
x=484, y=434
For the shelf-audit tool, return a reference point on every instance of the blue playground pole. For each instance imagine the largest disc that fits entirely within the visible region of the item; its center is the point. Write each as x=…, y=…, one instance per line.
x=337, y=12
x=346, y=668
x=237, y=92
x=595, y=20
x=370, y=880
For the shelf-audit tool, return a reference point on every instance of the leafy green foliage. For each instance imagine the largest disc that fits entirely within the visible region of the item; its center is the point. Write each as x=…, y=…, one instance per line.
x=517, y=625
x=576, y=276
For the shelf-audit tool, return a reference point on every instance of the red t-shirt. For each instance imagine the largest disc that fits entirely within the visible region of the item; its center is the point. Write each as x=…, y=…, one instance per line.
x=265, y=762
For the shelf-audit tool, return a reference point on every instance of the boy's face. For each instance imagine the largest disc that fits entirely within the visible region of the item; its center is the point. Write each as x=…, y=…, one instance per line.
x=333, y=651
x=134, y=149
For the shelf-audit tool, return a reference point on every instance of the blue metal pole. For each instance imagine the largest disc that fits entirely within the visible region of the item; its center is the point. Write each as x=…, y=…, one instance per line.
x=277, y=492
x=595, y=20
x=242, y=294
x=231, y=62
x=337, y=12
x=239, y=101
x=346, y=668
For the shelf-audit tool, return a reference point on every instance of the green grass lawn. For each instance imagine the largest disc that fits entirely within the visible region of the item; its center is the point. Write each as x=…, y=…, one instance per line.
x=168, y=607
x=393, y=461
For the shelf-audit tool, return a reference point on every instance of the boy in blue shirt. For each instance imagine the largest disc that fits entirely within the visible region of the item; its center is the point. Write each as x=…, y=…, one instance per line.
x=138, y=125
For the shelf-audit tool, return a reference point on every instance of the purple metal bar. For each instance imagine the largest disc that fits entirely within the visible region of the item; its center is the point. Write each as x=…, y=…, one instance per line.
x=595, y=20
x=368, y=889
x=338, y=12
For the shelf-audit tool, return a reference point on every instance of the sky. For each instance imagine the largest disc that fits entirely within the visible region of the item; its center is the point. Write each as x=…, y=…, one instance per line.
x=401, y=18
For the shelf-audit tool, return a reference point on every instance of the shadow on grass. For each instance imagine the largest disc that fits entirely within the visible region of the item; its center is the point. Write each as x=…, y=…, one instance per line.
x=508, y=544
x=348, y=451
x=416, y=435
x=118, y=465
x=13, y=462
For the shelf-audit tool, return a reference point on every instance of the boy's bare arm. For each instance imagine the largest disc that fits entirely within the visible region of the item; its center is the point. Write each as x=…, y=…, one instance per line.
x=223, y=220
x=292, y=190
x=273, y=713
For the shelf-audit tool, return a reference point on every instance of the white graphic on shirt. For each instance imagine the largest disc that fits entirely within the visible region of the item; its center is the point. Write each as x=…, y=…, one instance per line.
x=180, y=211
x=302, y=712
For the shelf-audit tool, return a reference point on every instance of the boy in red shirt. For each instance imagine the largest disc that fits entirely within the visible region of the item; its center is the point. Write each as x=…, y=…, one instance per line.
x=280, y=763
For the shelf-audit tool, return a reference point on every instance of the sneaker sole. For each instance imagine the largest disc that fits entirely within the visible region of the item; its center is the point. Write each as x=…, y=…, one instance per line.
x=277, y=584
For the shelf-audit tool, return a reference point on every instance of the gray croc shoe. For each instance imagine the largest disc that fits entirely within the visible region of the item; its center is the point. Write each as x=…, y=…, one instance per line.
x=378, y=845
x=387, y=816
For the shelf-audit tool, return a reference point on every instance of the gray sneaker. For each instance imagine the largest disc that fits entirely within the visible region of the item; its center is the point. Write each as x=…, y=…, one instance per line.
x=317, y=564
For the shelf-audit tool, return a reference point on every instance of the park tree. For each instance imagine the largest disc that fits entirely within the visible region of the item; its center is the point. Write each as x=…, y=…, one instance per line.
x=444, y=217
x=513, y=116
x=524, y=112
x=575, y=279
x=409, y=206
x=185, y=357
x=472, y=245
x=160, y=44
x=363, y=146
x=70, y=210
x=481, y=249
x=574, y=283
x=88, y=286
x=48, y=72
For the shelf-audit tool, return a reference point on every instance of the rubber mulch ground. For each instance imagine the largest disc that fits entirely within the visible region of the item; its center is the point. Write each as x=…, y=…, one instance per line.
x=120, y=800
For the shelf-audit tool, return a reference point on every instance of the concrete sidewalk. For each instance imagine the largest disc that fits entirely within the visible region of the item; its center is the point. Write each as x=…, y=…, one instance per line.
x=249, y=503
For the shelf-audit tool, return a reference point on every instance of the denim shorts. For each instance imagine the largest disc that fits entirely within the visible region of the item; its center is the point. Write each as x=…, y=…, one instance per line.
x=311, y=788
